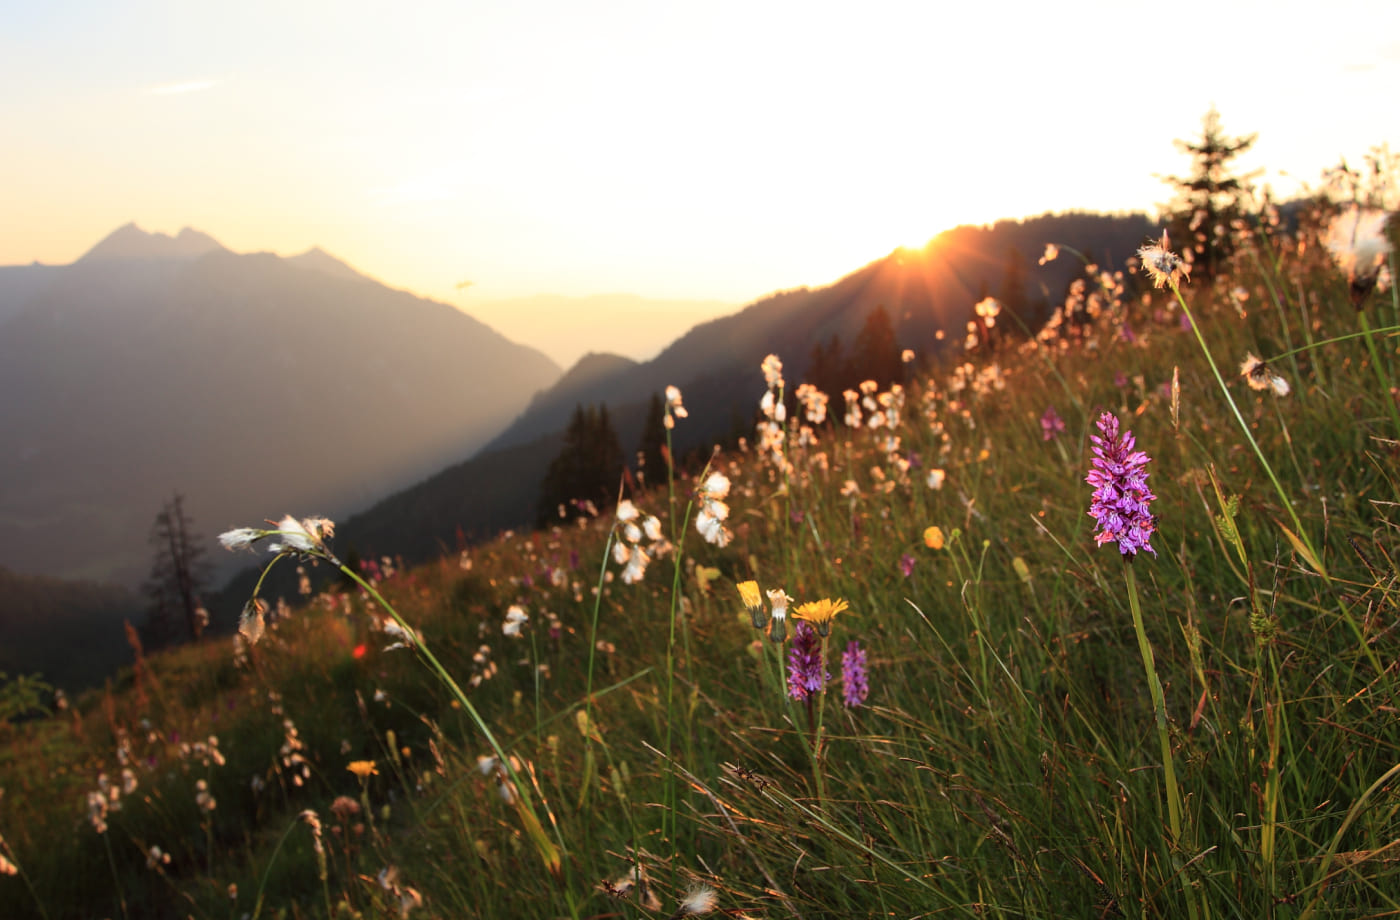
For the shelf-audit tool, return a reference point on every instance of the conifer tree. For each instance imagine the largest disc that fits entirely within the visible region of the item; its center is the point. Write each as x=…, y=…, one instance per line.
x=1210, y=198
x=651, y=457
x=177, y=578
x=1012, y=291
x=587, y=468
x=828, y=371
x=876, y=355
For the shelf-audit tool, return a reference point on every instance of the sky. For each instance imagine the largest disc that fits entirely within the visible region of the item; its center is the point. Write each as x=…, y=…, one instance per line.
x=471, y=151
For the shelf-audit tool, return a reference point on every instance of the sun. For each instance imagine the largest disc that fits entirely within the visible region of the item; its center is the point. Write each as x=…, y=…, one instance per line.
x=912, y=232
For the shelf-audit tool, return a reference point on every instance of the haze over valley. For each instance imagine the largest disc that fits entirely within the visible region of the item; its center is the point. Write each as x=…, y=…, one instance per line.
x=250, y=384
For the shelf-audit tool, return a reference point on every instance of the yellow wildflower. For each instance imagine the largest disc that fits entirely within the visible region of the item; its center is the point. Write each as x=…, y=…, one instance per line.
x=364, y=769
x=933, y=537
x=753, y=602
x=820, y=613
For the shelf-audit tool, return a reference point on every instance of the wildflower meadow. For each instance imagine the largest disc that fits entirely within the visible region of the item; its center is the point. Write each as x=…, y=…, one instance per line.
x=1095, y=620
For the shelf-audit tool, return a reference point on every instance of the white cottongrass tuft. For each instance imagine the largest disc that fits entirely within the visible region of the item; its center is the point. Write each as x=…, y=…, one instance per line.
x=240, y=538
x=713, y=510
x=1356, y=238
x=516, y=617
x=773, y=371
x=699, y=900
x=674, y=408
x=304, y=536
x=251, y=624
x=1162, y=264
x=1257, y=374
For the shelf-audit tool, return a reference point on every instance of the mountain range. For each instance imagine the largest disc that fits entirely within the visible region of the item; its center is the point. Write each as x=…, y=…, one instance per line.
x=253, y=385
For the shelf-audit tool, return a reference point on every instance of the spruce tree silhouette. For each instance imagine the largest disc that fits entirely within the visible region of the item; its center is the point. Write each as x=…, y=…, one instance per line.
x=651, y=456
x=177, y=579
x=1210, y=198
x=587, y=468
x=876, y=355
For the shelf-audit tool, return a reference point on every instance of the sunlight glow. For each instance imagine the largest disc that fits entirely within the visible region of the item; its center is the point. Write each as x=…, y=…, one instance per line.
x=175, y=89
x=596, y=148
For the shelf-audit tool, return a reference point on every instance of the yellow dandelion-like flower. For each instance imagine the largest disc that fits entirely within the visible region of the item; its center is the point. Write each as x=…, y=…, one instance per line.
x=364, y=769
x=933, y=537
x=753, y=602
x=820, y=613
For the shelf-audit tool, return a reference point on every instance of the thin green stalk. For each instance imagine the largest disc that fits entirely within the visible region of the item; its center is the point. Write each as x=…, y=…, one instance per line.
x=1275, y=720
x=116, y=879
x=25, y=877
x=1384, y=330
x=818, y=774
x=525, y=806
x=677, y=542
x=593, y=627
x=1394, y=293
x=1249, y=435
x=922, y=880
x=1352, y=813
x=1281, y=305
x=1159, y=708
x=539, y=690
x=588, y=756
x=1381, y=376
x=322, y=870
x=669, y=813
x=267, y=872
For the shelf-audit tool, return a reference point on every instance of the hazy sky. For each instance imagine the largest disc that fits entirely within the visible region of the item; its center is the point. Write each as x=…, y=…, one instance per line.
x=701, y=150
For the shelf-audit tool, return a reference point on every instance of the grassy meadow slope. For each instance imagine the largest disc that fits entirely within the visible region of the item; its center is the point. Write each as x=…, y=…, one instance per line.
x=66, y=631
x=1008, y=759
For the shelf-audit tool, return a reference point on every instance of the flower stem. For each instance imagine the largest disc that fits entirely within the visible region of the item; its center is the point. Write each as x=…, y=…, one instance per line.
x=38, y=903
x=1159, y=709
x=1384, y=330
x=1244, y=427
x=267, y=872
x=1381, y=376
x=548, y=852
x=818, y=775
x=116, y=880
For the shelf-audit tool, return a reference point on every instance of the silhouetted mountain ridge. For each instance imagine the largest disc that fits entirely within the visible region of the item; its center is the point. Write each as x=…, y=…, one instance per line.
x=252, y=384
x=130, y=243
x=317, y=259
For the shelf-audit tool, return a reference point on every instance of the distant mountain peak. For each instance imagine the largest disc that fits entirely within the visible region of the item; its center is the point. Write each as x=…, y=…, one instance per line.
x=129, y=243
x=595, y=360
x=317, y=259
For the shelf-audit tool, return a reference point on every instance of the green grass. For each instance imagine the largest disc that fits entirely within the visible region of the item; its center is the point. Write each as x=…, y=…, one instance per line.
x=1007, y=762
